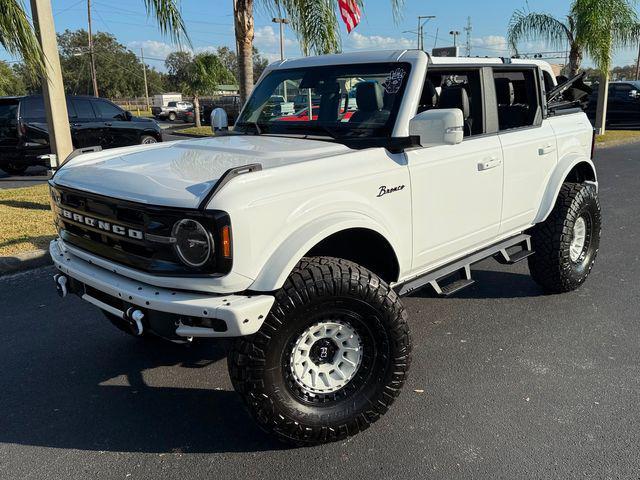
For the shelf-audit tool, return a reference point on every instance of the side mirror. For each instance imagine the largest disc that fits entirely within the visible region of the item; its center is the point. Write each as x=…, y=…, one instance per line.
x=438, y=127
x=128, y=115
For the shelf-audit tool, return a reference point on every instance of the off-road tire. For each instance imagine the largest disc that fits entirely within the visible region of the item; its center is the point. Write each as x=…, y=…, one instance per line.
x=259, y=365
x=172, y=117
x=13, y=169
x=552, y=266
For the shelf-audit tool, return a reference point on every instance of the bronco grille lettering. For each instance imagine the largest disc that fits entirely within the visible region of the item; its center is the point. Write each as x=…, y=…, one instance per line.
x=102, y=225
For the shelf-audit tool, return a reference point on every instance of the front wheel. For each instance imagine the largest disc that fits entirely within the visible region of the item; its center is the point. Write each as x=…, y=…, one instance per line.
x=567, y=242
x=147, y=140
x=172, y=117
x=330, y=358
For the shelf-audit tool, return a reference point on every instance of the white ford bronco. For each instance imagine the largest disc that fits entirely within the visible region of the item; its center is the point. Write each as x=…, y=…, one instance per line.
x=299, y=234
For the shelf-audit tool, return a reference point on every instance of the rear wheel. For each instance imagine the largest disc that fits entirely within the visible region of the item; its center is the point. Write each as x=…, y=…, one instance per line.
x=567, y=242
x=330, y=358
x=14, y=169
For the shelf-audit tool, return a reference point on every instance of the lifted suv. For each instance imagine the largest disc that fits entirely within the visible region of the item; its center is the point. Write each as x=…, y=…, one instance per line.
x=299, y=238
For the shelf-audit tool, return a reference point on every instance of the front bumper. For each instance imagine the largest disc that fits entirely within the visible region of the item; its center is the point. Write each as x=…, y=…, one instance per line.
x=167, y=312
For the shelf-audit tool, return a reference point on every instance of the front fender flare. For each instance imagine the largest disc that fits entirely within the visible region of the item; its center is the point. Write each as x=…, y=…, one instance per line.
x=558, y=177
x=280, y=264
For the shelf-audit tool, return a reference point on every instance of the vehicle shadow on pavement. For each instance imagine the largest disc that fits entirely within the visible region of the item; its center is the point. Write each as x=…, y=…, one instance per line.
x=129, y=398
x=492, y=284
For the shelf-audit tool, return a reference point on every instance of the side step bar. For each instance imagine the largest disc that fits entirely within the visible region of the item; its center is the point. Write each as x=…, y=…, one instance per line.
x=441, y=278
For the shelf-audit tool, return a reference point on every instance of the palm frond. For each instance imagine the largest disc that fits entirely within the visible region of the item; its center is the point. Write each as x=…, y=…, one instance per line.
x=169, y=18
x=531, y=26
x=18, y=37
x=603, y=26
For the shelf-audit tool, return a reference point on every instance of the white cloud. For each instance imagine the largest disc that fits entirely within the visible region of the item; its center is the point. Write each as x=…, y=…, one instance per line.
x=152, y=48
x=357, y=41
x=266, y=38
x=490, y=45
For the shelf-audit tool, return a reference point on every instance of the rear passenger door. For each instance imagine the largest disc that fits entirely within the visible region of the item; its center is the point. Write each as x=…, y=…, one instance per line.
x=85, y=127
x=528, y=144
x=456, y=189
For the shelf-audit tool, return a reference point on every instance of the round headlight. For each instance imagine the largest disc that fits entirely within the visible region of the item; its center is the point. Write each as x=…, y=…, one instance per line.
x=192, y=242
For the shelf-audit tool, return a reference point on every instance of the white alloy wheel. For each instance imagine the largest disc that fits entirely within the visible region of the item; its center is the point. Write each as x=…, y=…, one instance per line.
x=326, y=357
x=579, y=239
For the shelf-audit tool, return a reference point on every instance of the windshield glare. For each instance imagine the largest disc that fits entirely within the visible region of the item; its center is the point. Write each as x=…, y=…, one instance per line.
x=340, y=101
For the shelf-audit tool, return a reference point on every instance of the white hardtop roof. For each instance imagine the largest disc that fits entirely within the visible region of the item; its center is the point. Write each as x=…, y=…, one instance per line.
x=380, y=56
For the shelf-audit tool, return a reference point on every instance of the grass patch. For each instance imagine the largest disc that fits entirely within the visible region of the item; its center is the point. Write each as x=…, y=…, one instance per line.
x=204, y=131
x=26, y=222
x=617, y=137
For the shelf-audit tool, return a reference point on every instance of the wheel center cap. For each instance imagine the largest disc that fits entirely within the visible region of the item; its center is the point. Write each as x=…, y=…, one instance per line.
x=323, y=351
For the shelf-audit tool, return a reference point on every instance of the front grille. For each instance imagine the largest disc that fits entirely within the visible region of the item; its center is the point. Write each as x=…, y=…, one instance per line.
x=118, y=230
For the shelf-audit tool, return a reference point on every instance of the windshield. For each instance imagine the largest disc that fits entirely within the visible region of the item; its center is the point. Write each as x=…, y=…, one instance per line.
x=345, y=101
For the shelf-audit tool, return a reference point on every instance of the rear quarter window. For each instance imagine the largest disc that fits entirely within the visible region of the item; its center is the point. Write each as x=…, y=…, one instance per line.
x=32, y=107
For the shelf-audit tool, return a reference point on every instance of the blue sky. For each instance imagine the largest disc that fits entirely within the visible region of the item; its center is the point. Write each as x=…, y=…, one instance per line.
x=210, y=24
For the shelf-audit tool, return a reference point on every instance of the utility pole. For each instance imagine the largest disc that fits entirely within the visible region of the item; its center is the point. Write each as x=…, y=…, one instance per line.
x=468, y=29
x=52, y=85
x=455, y=34
x=144, y=73
x=94, y=78
x=421, y=25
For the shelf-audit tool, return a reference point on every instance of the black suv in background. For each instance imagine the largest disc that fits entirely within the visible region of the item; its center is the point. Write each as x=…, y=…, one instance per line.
x=623, y=106
x=94, y=122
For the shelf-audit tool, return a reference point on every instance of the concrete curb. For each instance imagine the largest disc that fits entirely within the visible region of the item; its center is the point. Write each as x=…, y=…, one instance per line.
x=188, y=135
x=24, y=261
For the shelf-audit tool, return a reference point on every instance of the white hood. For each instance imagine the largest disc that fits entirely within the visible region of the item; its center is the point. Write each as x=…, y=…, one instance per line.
x=180, y=174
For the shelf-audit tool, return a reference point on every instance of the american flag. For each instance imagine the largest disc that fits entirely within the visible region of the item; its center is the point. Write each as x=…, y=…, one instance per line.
x=350, y=13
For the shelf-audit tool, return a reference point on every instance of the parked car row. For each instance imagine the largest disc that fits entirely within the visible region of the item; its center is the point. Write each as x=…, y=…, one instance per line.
x=623, y=105
x=24, y=134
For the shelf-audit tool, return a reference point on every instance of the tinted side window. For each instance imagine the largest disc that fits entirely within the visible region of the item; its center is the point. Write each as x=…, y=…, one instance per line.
x=71, y=110
x=32, y=107
x=83, y=108
x=107, y=110
x=517, y=95
x=459, y=89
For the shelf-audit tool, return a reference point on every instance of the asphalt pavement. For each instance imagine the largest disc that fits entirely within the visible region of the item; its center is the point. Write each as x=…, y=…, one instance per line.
x=506, y=382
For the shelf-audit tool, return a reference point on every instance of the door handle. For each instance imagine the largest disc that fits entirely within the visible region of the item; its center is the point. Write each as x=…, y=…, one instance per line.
x=489, y=163
x=76, y=124
x=546, y=150
x=108, y=124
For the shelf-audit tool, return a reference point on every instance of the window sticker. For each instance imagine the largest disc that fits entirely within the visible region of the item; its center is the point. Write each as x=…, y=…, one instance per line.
x=394, y=80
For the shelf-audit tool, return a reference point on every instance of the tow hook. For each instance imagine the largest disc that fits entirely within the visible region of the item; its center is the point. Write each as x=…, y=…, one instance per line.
x=134, y=317
x=61, y=285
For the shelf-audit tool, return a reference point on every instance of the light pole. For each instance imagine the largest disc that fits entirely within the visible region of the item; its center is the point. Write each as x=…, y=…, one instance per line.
x=455, y=34
x=282, y=22
x=421, y=25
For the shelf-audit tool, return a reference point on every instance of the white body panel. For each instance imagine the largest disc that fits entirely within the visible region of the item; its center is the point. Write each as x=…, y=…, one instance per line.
x=447, y=200
x=456, y=200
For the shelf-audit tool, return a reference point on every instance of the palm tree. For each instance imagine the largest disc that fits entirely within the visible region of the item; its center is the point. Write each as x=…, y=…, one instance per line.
x=18, y=38
x=593, y=27
x=314, y=21
x=555, y=32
